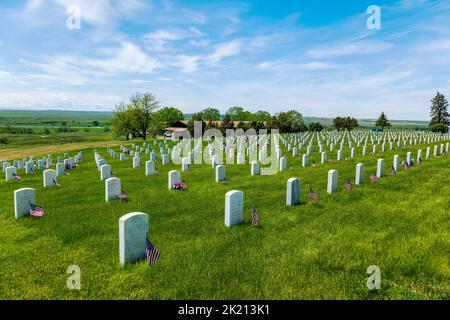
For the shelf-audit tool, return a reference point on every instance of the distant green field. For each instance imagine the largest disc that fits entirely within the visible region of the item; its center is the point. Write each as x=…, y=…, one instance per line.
x=52, y=118
x=85, y=118
x=370, y=123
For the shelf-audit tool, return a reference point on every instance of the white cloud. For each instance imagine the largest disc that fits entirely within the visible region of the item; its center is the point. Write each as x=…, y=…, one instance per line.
x=140, y=81
x=354, y=48
x=75, y=70
x=41, y=99
x=32, y=5
x=187, y=64
x=4, y=74
x=129, y=58
x=224, y=50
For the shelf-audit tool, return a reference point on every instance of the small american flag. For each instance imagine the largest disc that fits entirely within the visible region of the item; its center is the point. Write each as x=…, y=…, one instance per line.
x=123, y=196
x=407, y=166
x=56, y=183
x=36, y=211
x=17, y=177
x=255, y=216
x=373, y=178
x=151, y=252
x=393, y=171
x=291, y=168
x=348, y=186
x=313, y=196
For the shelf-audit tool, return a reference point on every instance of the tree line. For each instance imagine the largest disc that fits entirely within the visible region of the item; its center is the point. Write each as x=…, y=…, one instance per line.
x=143, y=116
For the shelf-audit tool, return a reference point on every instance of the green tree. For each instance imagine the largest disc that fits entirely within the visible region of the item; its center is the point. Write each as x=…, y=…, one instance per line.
x=443, y=128
x=315, y=126
x=95, y=123
x=123, y=121
x=346, y=123
x=168, y=116
x=261, y=116
x=143, y=108
x=382, y=121
x=209, y=114
x=439, y=110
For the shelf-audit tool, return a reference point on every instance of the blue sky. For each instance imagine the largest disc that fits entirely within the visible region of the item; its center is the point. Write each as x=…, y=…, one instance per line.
x=318, y=57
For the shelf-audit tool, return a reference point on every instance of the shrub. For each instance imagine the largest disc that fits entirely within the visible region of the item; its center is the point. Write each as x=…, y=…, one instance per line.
x=439, y=128
x=4, y=140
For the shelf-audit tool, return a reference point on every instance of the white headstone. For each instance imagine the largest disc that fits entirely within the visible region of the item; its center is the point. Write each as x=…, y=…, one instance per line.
x=60, y=169
x=293, y=192
x=133, y=230
x=395, y=164
x=105, y=172
x=359, y=179
x=283, y=164
x=255, y=168
x=149, y=168
x=49, y=176
x=234, y=208
x=136, y=162
x=332, y=185
x=174, y=177
x=113, y=189
x=305, y=160
x=22, y=199
x=380, y=168
x=220, y=173
x=10, y=173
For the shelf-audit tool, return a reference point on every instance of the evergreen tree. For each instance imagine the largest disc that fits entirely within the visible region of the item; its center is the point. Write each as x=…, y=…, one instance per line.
x=439, y=110
x=382, y=122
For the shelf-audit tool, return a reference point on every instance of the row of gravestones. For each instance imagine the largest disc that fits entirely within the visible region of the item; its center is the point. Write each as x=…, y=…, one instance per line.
x=25, y=196
x=332, y=139
x=12, y=171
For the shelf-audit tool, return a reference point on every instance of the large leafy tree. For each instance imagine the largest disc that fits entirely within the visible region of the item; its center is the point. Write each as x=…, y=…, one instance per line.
x=239, y=114
x=297, y=121
x=123, y=121
x=143, y=106
x=382, y=121
x=168, y=116
x=261, y=116
x=439, y=110
x=137, y=117
x=346, y=123
x=209, y=114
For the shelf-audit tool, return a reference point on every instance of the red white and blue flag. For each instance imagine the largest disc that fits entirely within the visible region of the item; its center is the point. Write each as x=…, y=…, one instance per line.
x=123, y=195
x=36, y=211
x=255, y=216
x=348, y=186
x=313, y=196
x=151, y=252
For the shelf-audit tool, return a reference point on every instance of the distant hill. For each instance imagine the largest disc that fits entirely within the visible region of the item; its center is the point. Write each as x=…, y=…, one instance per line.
x=42, y=117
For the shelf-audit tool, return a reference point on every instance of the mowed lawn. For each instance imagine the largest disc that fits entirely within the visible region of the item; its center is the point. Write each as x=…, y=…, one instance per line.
x=311, y=251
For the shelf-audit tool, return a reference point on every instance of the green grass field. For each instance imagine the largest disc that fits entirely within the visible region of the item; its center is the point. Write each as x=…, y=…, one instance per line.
x=311, y=251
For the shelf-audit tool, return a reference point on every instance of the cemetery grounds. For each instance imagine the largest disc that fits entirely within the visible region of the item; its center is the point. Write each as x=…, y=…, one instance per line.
x=311, y=251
